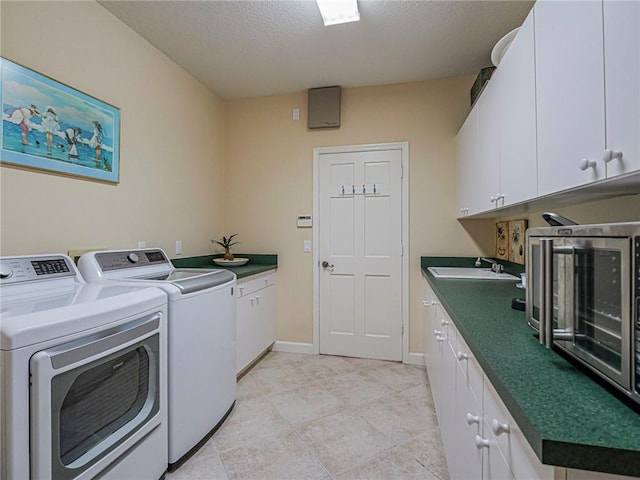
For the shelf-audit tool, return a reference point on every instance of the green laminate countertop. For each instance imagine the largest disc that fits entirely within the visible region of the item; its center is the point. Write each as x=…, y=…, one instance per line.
x=568, y=418
x=258, y=263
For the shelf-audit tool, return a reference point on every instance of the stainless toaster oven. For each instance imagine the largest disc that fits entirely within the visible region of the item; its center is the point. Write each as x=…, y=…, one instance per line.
x=583, y=296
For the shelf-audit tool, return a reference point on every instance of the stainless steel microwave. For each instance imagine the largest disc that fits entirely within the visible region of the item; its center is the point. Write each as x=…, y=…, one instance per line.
x=583, y=296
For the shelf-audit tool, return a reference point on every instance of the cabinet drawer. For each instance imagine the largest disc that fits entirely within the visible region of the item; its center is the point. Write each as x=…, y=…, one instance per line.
x=445, y=325
x=469, y=366
x=519, y=455
x=248, y=285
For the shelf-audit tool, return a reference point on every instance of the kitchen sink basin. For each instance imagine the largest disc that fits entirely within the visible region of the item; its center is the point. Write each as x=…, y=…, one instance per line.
x=470, y=273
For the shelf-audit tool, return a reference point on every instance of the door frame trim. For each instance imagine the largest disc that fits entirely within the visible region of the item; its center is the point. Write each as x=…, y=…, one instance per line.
x=404, y=148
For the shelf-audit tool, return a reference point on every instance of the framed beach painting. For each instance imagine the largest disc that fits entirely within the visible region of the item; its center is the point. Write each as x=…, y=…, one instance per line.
x=49, y=126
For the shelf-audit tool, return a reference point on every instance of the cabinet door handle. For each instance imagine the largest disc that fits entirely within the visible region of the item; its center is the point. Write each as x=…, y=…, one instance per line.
x=471, y=419
x=481, y=442
x=252, y=300
x=440, y=338
x=241, y=288
x=499, y=428
x=257, y=298
x=462, y=356
x=611, y=155
x=444, y=322
x=585, y=164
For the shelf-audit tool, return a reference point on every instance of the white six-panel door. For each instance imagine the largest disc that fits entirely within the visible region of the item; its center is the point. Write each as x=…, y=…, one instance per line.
x=360, y=239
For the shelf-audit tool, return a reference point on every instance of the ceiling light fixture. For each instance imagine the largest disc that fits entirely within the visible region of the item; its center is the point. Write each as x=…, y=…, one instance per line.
x=338, y=11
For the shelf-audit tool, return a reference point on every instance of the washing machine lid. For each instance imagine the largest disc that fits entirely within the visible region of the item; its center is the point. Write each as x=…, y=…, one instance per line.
x=192, y=280
x=149, y=265
x=28, y=318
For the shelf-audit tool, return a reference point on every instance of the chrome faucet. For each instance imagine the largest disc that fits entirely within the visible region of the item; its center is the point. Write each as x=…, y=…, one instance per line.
x=495, y=266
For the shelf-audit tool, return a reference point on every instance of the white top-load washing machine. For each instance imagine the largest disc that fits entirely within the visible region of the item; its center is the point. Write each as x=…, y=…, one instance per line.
x=202, y=346
x=83, y=386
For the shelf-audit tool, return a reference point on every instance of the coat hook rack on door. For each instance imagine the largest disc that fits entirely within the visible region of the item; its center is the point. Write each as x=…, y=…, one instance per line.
x=366, y=190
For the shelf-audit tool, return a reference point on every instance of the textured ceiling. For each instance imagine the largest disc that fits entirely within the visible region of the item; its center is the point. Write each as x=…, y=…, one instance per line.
x=257, y=48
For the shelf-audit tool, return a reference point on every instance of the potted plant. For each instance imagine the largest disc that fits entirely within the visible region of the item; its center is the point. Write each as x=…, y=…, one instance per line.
x=226, y=243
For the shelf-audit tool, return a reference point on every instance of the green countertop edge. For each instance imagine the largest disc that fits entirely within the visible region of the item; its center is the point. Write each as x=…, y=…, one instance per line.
x=258, y=263
x=566, y=416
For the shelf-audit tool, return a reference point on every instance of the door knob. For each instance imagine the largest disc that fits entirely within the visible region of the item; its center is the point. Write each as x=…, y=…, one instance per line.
x=326, y=264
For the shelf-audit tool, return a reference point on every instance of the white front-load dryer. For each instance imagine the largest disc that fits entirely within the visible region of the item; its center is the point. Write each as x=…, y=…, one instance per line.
x=83, y=384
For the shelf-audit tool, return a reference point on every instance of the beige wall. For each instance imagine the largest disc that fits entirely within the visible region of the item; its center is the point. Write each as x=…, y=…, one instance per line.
x=194, y=168
x=270, y=180
x=171, y=140
x=620, y=209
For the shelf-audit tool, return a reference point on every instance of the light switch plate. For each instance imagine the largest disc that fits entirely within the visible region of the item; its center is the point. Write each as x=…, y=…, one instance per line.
x=307, y=245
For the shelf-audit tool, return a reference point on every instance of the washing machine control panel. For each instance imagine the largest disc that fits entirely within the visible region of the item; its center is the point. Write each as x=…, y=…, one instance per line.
x=25, y=269
x=109, y=261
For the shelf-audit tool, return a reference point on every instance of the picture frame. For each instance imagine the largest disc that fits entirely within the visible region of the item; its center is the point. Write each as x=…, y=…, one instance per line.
x=502, y=241
x=517, y=240
x=52, y=127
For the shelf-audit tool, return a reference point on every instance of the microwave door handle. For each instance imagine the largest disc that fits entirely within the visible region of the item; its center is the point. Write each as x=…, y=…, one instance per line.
x=560, y=334
x=546, y=290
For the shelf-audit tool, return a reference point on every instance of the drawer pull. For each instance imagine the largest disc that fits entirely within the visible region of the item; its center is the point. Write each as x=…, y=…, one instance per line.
x=586, y=164
x=462, y=356
x=444, y=322
x=499, y=428
x=610, y=155
x=471, y=419
x=481, y=442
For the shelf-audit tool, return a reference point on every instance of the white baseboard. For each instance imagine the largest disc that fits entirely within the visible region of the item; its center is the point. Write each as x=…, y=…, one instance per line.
x=293, y=347
x=307, y=348
x=415, y=359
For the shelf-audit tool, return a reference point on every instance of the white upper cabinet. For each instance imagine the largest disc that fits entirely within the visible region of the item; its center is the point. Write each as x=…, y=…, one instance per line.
x=622, y=86
x=569, y=87
x=466, y=143
x=561, y=111
x=517, y=86
x=497, y=143
x=486, y=174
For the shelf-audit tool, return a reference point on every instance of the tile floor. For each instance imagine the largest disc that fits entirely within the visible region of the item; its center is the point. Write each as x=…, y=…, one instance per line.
x=323, y=417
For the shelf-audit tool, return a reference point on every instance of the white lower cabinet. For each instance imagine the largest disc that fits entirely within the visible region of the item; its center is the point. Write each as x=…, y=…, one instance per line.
x=504, y=431
x=255, y=317
x=467, y=421
x=481, y=440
